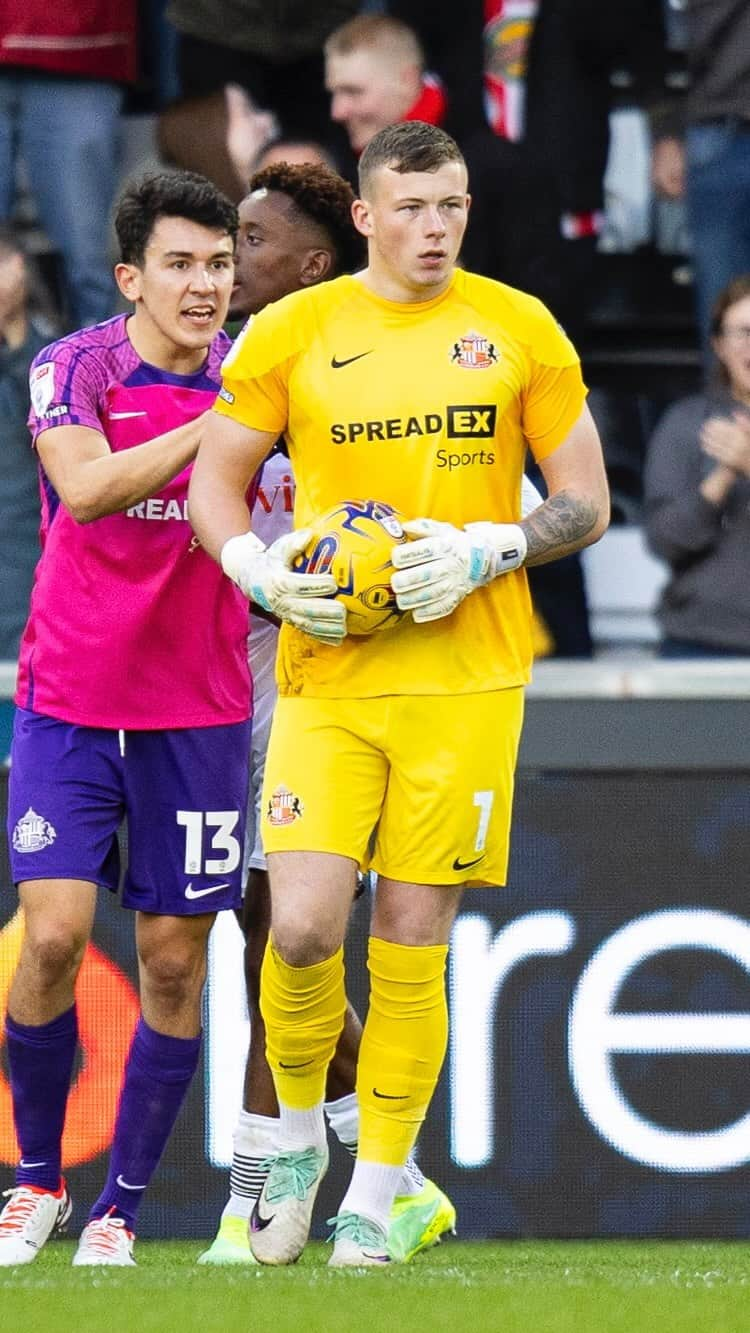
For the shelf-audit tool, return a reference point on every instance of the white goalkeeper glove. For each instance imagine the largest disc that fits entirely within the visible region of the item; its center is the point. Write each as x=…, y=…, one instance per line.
x=444, y=564
x=265, y=575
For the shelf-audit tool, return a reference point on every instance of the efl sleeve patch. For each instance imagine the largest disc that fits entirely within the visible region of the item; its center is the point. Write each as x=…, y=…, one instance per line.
x=42, y=386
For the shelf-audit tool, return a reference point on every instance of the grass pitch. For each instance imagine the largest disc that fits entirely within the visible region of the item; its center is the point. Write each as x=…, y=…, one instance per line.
x=510, y=1286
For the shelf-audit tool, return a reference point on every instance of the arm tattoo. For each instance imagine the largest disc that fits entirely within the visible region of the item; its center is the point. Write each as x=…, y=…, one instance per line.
x=559, y=526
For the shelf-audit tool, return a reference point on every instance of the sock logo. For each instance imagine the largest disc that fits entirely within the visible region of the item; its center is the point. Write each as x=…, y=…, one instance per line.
x=304, y=1065
x=389, y=1096
x=125, y=1186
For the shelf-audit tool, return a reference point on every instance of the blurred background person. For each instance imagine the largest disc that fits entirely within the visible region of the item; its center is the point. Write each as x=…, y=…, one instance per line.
x=528, y=86
x=21, y=337
x=271, y=52
x=375, y=75
x=218, y=135
x=63, y=71
x=702, y=147
x=697, y=488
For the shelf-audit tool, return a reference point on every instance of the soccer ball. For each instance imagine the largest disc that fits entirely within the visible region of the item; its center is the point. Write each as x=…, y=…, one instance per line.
x=353, y=542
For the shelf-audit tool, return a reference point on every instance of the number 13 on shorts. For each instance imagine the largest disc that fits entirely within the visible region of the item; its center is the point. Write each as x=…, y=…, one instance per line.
x=220, y=826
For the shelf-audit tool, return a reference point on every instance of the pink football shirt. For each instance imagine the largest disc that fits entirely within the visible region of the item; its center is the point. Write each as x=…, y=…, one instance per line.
x=131, y=625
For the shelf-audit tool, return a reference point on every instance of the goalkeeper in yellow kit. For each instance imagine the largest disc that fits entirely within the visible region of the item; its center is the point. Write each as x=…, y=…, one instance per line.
x=421, y=385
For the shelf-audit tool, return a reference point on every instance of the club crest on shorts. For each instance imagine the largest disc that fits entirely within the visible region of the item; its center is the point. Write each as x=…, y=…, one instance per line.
x=33, y=833
x=283, y=807
x=474, y=352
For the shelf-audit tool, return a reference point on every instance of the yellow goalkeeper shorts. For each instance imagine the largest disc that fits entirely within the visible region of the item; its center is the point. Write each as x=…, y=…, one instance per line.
x=420, y=788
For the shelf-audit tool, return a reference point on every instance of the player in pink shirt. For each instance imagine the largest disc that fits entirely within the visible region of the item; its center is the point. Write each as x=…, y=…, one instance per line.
x=133, y=702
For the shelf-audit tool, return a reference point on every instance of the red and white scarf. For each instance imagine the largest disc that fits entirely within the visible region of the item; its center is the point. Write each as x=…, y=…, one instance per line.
x=508, y=28
x=508, y=25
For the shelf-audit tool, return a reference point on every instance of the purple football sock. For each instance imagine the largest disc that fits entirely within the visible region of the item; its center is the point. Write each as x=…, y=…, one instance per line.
x=158, y=1074
x=40, y=1061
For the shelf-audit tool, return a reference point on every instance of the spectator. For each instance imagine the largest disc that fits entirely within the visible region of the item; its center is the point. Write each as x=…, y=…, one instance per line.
x=60, y=102
x=698, y=498
x=20, y=340
x=218, y=135
x=702, y=149
x=376, y=77
x=272, y=50
x=528, y=89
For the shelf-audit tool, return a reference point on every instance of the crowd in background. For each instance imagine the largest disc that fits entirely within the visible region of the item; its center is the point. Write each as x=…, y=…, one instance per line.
x=609, y=156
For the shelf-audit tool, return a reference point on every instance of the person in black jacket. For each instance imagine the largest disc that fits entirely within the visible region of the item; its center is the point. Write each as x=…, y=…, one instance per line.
x=529, y=93
x=702, y=148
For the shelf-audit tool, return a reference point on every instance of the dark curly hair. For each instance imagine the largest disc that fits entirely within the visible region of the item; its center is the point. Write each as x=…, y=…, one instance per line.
x=173, y=194
x=320, y=194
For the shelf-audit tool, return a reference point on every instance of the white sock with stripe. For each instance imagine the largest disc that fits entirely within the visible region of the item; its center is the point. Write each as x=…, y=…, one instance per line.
x=255, y=1138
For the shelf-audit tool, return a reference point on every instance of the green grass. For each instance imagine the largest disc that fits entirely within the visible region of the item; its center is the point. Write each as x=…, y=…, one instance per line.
x=511, y=1287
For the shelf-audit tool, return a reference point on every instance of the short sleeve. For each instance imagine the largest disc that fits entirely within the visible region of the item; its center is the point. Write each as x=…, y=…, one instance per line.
x=255, y=373
x=66, y=386
x=555, y=393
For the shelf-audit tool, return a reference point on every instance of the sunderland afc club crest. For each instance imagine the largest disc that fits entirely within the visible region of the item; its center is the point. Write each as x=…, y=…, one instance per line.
x=283, y=807
x=32, y=833
x=474, y=352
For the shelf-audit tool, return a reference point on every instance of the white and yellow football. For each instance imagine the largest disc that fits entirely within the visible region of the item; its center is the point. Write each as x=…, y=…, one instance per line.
x=353, y=542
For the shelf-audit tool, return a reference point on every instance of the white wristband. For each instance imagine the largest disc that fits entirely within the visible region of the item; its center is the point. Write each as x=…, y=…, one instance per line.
x=509, y=541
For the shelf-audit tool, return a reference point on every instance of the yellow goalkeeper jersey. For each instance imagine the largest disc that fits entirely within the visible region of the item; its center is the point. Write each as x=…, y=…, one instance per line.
x=429, y=407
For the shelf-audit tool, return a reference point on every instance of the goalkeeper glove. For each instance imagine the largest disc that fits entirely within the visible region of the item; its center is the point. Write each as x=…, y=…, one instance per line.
x=444, y=564
x=265, y=575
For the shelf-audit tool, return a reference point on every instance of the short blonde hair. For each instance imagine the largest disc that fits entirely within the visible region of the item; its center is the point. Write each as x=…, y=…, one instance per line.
x=376, y=32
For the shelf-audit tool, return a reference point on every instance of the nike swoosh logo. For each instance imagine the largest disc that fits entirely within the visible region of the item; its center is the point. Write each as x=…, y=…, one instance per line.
x=122, y=416
x=258, y=1223
x=389, y=1096
x=27, y=1166
x=336, y=365
x=466, y=865
x=124, y=1185
x=304, y=1065
x=190, y=892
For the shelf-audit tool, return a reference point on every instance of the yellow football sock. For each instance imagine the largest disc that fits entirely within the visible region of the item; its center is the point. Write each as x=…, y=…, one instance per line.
x=403, y=1047
x=303, y=1009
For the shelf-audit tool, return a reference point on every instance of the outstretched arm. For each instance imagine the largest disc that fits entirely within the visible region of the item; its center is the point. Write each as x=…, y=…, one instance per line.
x=92, y=481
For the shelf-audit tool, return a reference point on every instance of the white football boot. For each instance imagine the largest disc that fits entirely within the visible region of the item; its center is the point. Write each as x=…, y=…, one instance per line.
x=28, y=1219
x=106, y=1240
x=280, y=1220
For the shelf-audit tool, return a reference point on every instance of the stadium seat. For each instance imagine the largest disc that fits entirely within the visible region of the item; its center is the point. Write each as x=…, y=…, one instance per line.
x=623, y=583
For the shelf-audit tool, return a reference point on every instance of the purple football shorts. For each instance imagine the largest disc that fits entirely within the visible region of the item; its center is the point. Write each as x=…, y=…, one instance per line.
x=182, y=794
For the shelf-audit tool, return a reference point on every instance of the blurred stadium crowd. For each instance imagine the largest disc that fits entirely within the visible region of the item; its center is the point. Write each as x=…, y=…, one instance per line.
x=609, y=156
